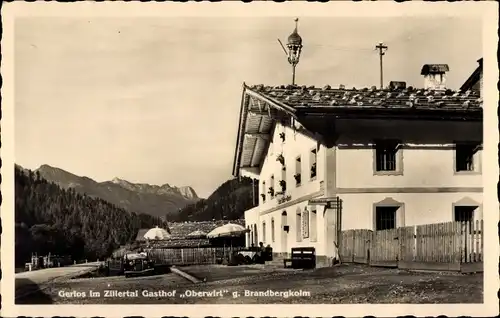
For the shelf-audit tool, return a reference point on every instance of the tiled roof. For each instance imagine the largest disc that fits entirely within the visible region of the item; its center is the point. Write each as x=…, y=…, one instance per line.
x=328, y=98
x=182, y=243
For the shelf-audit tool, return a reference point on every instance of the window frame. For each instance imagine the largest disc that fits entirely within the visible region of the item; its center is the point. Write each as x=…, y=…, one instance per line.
x=298, y=163
x=476, y=158
x=298, y=225
x=313, y=150
x=313, y=238
x=263, y=232
x=264, y=191
x=395, y=216
x=273, y=233
x=473, y=214
x=271, y=186
x=398, y=157
x=389, y=202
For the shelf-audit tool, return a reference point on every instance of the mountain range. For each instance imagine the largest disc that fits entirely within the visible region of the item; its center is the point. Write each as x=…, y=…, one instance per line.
x=160, y=201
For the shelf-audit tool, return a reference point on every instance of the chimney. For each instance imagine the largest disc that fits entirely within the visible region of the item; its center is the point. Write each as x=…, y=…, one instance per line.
x=435, y=76
x=393, y=85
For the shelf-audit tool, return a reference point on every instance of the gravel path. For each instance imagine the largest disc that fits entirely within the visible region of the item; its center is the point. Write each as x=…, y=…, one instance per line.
x=346, y=284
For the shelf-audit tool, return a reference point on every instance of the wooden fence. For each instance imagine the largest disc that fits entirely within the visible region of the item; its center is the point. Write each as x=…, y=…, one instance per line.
x=441, y=246
x=191, y=256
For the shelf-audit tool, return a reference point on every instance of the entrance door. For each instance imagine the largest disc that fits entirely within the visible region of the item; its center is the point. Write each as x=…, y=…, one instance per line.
x=470, y=230
x=385, y=245
x=284, y=234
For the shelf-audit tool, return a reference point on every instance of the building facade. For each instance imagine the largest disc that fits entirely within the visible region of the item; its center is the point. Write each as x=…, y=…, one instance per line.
x=332, y=159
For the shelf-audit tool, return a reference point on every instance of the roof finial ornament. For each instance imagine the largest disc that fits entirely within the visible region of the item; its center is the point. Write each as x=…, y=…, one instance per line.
x=294, y=46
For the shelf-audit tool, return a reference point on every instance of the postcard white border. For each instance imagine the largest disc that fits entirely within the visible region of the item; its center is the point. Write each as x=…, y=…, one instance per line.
x=486, y=10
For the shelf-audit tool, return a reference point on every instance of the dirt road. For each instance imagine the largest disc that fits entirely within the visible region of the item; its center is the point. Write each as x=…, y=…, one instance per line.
x=241, y=285
x=27, y=282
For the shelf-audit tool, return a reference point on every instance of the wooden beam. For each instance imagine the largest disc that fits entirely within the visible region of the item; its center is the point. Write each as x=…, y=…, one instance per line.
x=275, y=104
x=261, y=119
x=271, y=113
x=259, y=104
x=241, y=128
x=253, y=151
x=252, y=172
x=262, y=112
x=251, y=102
x=259, y=135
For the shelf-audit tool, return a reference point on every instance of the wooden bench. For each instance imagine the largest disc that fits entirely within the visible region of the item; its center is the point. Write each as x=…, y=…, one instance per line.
x=302, y=257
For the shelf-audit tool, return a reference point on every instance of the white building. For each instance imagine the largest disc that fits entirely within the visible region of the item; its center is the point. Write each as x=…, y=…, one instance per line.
x=332, y=159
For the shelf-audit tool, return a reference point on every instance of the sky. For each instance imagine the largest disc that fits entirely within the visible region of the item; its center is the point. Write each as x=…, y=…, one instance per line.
x=156, y=100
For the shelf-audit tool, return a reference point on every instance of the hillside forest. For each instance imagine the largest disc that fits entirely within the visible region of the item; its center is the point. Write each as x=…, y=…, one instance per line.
x=228, y=202
x=63, y=222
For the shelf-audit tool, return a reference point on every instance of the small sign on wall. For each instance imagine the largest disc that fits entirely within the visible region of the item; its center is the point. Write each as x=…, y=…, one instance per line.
x=305, y=224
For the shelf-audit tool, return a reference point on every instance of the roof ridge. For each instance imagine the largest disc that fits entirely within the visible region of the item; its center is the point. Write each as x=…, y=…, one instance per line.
x=341, y=87
x=295, y=97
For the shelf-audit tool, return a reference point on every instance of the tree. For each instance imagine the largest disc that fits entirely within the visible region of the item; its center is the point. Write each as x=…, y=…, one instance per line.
x=63, y=222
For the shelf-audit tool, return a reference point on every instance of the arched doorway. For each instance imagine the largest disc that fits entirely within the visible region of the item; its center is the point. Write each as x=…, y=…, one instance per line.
x=284, y=232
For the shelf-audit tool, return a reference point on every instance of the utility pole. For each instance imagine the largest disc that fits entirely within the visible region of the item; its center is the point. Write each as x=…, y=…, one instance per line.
x=381, y=49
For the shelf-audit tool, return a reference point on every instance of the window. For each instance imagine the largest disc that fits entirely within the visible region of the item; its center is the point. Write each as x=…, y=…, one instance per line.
x=284, y=221
x=263, y=232
x=263, y=194
x=465, y=157
x=271, y=187
x=305, y=224
x=255, y=235
x=283, y=135
x=386, y=156
x=385, y=218
x=283, y=180
x=298, y=227
x=464, y=213
x=313, y=226
x=272, y=230
x=313, y=156
x=249, y=237
x=298, y=168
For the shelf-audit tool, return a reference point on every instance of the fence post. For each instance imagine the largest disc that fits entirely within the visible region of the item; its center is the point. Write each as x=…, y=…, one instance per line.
x=463, y=241
x=182, y=255
x=482, y=240
x=353, y=245
x=477, y=238
x=414, y=240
